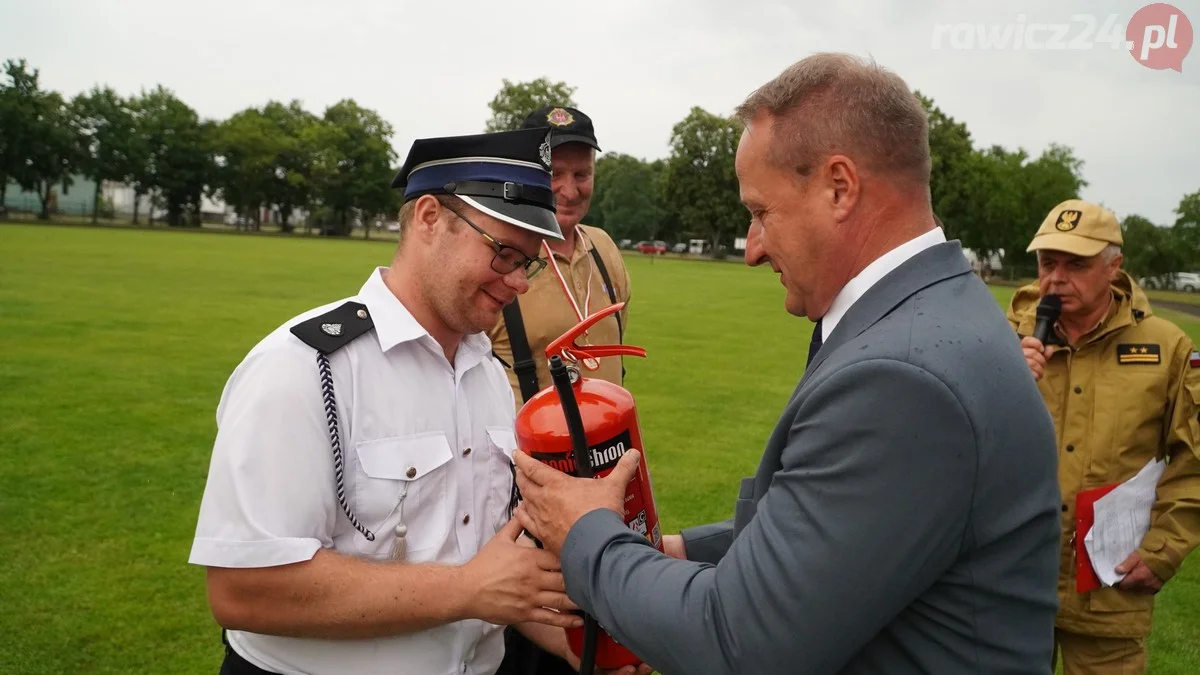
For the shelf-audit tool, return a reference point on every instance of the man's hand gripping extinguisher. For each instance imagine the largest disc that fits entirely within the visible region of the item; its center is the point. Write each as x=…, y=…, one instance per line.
x=582, y=426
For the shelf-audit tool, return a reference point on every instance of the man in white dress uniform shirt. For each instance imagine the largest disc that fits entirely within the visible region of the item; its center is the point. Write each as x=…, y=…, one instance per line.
x=357, y=514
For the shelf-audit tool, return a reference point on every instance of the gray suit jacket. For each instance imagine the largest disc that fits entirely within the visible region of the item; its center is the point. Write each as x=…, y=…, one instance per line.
x=904, y=517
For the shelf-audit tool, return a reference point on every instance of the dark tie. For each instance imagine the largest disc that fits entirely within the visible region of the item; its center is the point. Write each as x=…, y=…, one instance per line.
x=815, y=344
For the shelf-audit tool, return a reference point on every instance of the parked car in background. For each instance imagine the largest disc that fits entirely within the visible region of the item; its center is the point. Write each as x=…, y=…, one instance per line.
x=653, y=247
x=1180, y=281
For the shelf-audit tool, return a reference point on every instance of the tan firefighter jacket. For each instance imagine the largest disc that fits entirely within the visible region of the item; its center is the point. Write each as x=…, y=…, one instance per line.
x=1125, y=395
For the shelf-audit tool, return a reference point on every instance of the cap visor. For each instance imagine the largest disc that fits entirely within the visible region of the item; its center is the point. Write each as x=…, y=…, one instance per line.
x=526, y=216
x=1068, y=243
x=559, y=139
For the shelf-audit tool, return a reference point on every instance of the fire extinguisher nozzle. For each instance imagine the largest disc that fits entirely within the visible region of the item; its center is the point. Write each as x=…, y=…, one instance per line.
x=587, y=660
x=583, y=469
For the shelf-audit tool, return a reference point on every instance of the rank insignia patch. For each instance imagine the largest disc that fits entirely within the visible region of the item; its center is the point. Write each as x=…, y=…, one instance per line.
x=1129, y=354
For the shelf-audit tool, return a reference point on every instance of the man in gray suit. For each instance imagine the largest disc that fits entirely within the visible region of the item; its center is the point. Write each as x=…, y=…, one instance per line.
x=904, y=517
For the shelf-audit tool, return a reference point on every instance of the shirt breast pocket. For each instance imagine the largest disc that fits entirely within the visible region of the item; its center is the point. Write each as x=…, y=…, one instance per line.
x=502, y=442
x=1132, y=399
x=403, y=479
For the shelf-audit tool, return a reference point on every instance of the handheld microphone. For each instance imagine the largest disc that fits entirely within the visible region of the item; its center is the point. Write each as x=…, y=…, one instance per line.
x=1047, y=313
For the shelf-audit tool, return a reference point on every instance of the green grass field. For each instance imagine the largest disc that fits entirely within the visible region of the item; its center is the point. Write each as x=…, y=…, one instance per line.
x=116, y=344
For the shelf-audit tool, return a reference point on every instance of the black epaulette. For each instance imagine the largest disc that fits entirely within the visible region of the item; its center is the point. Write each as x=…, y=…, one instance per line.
x=334, y=329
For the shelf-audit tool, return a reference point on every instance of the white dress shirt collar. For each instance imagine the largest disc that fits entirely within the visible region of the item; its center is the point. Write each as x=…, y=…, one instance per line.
x=871, y=275
x=395, y=325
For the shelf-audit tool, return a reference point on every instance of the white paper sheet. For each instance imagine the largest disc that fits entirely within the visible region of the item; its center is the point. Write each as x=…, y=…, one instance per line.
x=1122, y=520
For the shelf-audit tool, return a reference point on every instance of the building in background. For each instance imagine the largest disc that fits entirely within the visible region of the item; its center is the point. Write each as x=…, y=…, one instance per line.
x=116, y=202
x=75, y=199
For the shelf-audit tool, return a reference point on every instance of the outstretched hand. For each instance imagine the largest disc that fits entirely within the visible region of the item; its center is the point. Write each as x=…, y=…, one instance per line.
x=552, y=501
x=513, y=583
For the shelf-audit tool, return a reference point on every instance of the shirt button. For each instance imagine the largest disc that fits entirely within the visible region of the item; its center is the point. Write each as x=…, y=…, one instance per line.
x=466, y=519
x=1064, y=508
x=1078, y=390
x=412, y=472
x=466, y=452
x=1070, y=448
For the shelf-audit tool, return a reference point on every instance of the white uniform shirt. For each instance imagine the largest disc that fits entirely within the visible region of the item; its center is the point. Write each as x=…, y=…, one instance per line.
x=403, y=409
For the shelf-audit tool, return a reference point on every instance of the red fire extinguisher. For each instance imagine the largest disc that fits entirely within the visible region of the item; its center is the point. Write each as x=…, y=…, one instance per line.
x=582, y=426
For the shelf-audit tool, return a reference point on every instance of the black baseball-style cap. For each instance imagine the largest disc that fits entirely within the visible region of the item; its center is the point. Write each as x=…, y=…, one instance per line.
x=505, y=174
x=567, y=125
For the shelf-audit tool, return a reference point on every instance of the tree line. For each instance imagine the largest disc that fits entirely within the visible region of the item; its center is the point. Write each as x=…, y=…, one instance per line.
x=335, y=169
x=990, y=198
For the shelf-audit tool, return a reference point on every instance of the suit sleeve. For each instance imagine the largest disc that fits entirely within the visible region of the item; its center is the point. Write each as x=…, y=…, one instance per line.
x=868, y=509
x=708, y=543
x=1176, y=529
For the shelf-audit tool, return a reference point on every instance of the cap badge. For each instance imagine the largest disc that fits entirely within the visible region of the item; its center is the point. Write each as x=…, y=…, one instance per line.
x=334, y=329
x=559, y=117
x=1067, y=220
x=544, y=151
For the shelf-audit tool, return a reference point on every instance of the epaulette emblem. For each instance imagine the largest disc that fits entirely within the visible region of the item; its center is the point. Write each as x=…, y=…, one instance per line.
x=336, y=328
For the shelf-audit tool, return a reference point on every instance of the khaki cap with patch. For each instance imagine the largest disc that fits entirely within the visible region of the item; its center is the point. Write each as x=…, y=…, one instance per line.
x=1079, y=228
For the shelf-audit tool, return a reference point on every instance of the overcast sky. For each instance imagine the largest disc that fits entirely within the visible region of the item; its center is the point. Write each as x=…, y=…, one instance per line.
x=430, y=67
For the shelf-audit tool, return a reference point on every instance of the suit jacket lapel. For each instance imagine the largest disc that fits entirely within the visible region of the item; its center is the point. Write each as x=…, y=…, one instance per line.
x=928, y=267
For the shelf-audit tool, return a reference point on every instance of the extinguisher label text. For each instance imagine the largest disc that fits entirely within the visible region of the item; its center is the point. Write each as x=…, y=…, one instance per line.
x=638, y=524
x=604, y=455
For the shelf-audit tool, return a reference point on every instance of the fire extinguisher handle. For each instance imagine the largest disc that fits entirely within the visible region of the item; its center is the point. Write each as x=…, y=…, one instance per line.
x=565, y=344
x=597, y=351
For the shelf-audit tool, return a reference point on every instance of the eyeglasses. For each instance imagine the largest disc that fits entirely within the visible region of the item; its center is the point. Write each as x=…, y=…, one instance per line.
x=507, y=258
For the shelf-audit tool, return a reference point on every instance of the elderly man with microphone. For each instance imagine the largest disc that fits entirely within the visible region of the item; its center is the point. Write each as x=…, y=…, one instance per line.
x=1123, y=387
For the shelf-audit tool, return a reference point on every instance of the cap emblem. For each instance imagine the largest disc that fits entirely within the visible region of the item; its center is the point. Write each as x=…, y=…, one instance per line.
x=1067, y=220
x=544, y=151
x=559, y=117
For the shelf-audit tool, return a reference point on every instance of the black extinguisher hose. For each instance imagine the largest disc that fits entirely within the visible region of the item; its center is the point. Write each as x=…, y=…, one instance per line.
x=583, y=469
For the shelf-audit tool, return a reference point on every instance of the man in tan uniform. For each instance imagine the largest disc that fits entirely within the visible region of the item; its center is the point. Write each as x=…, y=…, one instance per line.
x=586, y=271
x=585, y=274
x=1123, y=388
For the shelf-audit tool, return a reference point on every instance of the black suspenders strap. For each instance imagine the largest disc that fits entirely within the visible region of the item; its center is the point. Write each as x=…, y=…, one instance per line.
x=523, y=364
x=612, y=291
x=612, y=296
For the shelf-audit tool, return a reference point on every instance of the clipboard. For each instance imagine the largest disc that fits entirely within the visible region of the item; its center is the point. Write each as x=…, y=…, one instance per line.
x=1085, y=516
